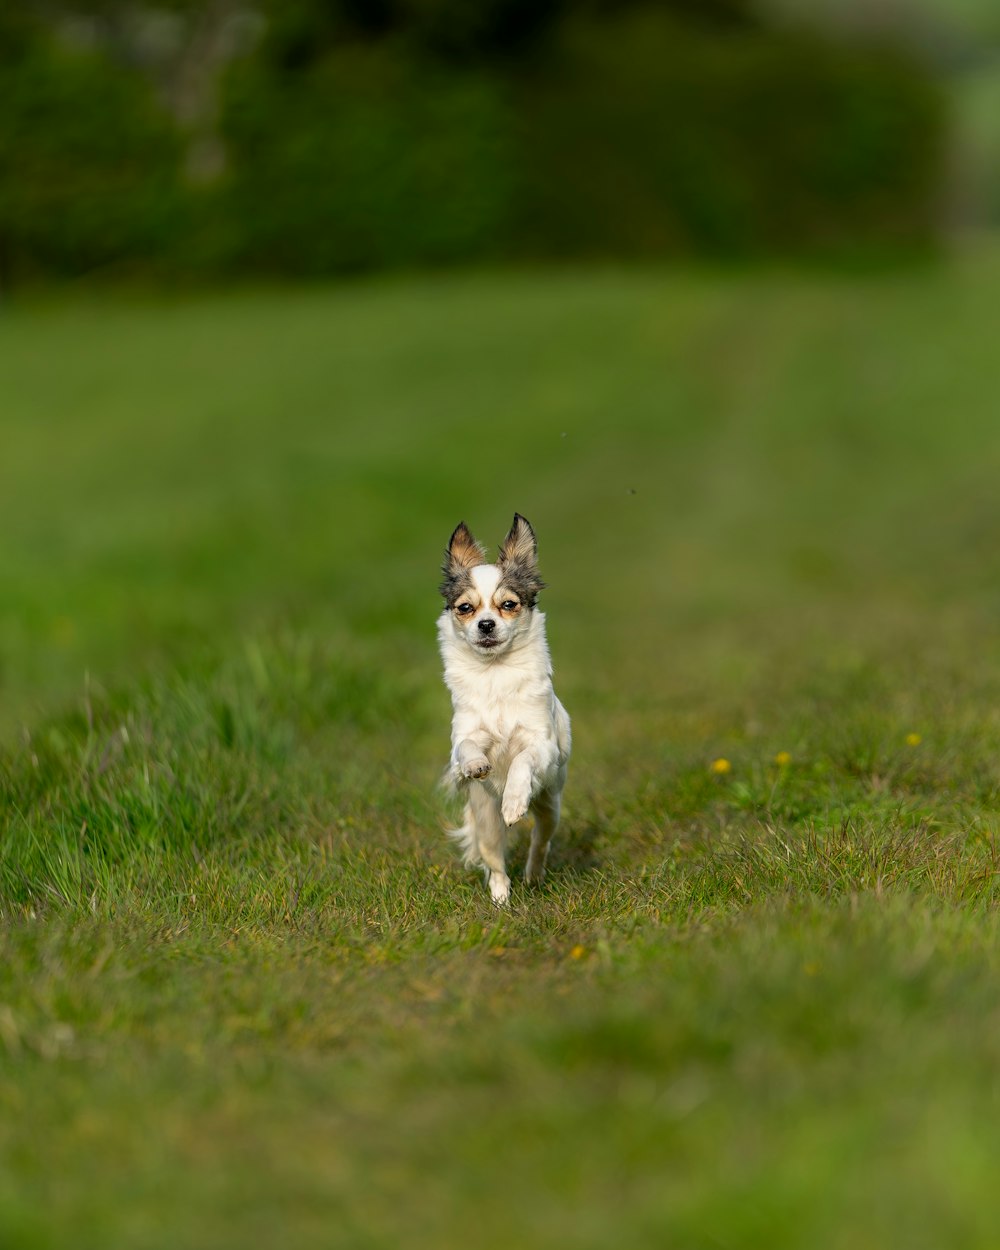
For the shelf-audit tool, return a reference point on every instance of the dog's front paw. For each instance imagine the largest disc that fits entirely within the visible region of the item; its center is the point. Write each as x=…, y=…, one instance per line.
x=477, y=768
x=514, y=806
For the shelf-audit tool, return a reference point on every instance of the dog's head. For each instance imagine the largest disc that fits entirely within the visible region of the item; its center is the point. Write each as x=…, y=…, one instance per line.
x=490, y=605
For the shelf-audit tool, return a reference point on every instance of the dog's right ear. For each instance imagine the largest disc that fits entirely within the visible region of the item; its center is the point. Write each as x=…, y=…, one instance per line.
x=463, y=551
x=463, y=554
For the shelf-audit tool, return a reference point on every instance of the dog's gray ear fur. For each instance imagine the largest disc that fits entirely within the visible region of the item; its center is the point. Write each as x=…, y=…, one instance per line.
x=518, y=560
x=463, y=554
x=520, y=546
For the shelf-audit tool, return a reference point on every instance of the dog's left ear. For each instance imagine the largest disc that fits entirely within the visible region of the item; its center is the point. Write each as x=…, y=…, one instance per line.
x=518, y=560
x=520, y=546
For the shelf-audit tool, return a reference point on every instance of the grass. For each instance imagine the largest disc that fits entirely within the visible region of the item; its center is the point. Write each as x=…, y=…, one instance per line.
x=247, y=994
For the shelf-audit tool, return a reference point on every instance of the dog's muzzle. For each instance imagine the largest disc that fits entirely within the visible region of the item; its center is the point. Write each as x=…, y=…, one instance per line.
x=487, y=639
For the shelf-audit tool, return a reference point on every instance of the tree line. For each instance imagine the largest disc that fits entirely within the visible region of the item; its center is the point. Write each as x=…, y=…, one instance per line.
x=317, y=137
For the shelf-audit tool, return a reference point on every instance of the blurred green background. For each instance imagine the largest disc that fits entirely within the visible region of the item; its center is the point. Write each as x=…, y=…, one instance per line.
x=708, y=290
x=198, y=141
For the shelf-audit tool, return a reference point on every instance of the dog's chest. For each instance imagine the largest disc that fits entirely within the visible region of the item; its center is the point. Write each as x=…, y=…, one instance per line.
x=504, y=701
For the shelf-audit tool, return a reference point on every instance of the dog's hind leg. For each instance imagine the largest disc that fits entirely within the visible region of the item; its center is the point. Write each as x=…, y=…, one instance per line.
x=545, y=809
x=491, y=840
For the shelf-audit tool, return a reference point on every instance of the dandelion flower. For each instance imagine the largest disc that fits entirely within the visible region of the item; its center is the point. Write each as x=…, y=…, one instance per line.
x=782, y=759
x=578, y=952
x=913, y=740
x=721, y=766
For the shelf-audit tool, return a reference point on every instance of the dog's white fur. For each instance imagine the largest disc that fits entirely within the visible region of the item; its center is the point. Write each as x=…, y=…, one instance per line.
x=510, y=735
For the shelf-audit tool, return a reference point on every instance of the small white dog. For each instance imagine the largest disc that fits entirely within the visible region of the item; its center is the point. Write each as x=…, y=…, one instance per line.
x=510, y=735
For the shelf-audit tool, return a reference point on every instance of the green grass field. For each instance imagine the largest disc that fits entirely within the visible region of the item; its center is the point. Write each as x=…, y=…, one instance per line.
x=248, y=996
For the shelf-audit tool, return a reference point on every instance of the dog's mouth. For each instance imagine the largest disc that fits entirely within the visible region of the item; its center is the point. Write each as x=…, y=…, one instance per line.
x=487, y=644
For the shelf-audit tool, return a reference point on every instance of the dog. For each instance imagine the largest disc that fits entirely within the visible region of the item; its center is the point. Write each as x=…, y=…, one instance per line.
x=510, y=735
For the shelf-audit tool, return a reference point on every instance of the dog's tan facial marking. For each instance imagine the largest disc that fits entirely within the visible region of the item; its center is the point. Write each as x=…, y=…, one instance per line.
x=466, y=606
x=506, y=604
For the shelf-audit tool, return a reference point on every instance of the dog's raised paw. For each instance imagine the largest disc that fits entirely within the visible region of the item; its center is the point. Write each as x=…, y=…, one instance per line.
x=513, y=809
x=478, y=768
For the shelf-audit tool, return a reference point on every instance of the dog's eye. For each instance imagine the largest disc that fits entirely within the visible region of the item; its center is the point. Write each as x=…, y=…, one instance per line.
x=509, y=605
x=463, y=609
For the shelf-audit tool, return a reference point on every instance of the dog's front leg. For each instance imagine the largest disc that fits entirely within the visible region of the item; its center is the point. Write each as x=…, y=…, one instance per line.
x=468, y=757
x=517, y=792
x=530, y=771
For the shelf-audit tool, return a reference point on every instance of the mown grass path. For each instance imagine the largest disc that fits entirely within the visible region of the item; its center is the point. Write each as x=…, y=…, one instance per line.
x=247, y=994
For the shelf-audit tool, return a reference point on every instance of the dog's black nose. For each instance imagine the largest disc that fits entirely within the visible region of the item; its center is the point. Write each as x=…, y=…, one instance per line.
x=486, y=626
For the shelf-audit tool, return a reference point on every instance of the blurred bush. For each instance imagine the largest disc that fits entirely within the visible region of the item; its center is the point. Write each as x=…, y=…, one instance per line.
x=660, y=136
x=361, y=134
x=88, y=162
x=362, y=161
x=960, y=43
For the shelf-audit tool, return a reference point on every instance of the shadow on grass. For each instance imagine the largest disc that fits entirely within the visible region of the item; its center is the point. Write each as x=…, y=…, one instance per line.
x=574, y=849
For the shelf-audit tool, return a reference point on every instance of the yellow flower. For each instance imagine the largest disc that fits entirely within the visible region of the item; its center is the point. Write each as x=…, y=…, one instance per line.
x=578, y=952
x=721, y=766
x=782, y=759
x=913, y=740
